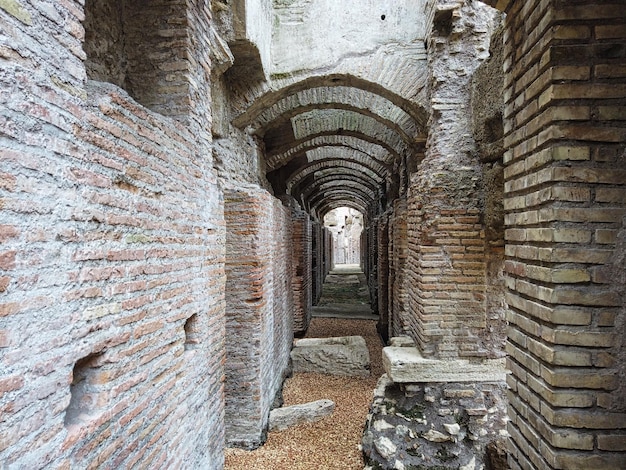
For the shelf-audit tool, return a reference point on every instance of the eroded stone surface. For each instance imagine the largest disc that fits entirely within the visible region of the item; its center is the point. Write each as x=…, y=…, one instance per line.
x=346, y=355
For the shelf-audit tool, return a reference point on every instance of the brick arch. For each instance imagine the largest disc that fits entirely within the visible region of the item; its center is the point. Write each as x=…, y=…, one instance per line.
x=326, y=117
x=357, y=167
x=306, y=187
x=348, y=154
x=265, y=99
x=340, y=196
x=327, y=190
x=364, y=143
x=344, y=97
x=320, y=121
x=403, y=138
x=328, y=206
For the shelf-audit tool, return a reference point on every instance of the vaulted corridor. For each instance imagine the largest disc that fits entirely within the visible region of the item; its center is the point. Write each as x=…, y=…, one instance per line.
x=167, y=171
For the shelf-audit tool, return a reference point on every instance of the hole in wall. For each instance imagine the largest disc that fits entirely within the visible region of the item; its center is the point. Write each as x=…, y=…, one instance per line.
x=86, y=390
x=382, y=17
x=192, y=337
x=494, y=128
x=442, y=23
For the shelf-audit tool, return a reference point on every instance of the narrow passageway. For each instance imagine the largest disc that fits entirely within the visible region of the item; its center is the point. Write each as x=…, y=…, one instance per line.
x=333, y=442
x=345, y=294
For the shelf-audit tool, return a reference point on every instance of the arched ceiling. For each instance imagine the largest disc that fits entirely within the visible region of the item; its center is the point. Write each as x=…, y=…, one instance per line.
x=336, y=141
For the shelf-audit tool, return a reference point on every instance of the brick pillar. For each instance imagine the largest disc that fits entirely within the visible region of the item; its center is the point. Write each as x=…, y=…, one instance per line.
x=445, y=279
x=372, y=264
x=317, y=261
x=303, y=272
x=259, y=308
x=383, y=276
x=397, y=317
x=565, y=198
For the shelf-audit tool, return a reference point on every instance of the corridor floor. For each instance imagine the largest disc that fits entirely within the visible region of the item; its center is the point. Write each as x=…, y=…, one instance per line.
x=332, y=443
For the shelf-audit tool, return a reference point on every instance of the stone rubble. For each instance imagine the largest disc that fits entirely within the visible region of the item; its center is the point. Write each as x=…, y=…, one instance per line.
x=435, y=425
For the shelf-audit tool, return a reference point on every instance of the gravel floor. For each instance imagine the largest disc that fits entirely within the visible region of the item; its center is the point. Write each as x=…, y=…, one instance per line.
x=332, y=443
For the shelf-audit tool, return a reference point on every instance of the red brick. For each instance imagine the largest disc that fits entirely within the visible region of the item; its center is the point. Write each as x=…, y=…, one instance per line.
x=10, y=384
x=9, y=308
x=7, y=232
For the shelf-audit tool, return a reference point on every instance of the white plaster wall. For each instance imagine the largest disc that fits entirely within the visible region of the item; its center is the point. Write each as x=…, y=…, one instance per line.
x=258, y=16
x=313, y=34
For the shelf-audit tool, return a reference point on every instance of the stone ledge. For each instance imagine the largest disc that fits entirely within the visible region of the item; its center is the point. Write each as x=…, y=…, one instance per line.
x=406, y=365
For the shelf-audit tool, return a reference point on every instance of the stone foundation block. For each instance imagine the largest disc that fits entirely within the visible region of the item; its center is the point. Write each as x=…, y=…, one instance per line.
x=346, y=355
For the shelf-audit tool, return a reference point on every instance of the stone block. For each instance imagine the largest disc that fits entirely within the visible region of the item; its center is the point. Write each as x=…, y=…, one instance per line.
x=288, y=416
x=406, y=365
x=346, y=355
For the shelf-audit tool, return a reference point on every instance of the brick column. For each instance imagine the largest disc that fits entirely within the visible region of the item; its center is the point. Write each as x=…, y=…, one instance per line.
x=302, y=271
x=318, y=261
x=372, y=264
x=259, y=309
x=398, y=256
x=445, y=280
x=383, y=275
x=565, y=197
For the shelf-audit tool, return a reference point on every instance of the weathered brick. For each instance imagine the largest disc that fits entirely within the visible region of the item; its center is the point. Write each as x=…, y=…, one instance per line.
x=613, y=443
x=574, y=378
x=610, y=71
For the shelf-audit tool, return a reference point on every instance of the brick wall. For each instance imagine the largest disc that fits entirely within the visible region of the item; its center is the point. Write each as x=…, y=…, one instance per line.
x=142, y=47
x=397, y=317
x=259, y=309
x=565, y=201
x=371, y=264
x=301, y=283
x=321, y=258
x=449, y=277
x=382, y=281
x=111, y=299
